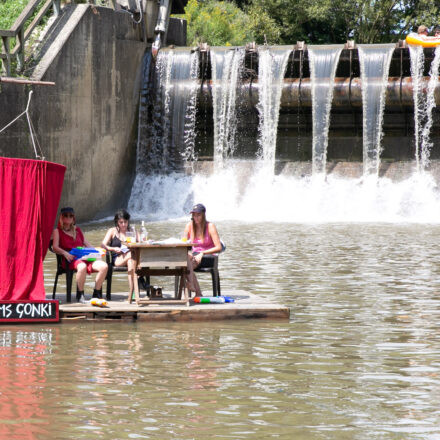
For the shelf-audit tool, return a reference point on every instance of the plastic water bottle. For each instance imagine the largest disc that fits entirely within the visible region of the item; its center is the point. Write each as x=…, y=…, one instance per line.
x=144, y=233
x=134, y=233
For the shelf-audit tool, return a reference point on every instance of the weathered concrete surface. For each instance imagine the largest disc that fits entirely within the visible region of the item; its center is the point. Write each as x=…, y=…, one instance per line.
x=88, y=120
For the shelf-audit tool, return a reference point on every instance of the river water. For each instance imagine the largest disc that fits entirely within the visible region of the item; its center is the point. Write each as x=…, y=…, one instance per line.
x=358, y=358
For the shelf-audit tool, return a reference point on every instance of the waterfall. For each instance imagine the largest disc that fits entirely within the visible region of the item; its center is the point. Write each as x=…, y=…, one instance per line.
x=244, y=190
x=240, y=194
x=227, y=65
x=323, y=62
x=417, y=66
x=424, y=102
x=272, y=63
x=166, y=139
x=145, y=108
x=375, y=63
x=167, y=123
x=426, y=143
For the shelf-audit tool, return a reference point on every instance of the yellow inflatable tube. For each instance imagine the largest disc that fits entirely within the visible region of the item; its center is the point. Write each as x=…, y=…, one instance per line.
x=422, y=40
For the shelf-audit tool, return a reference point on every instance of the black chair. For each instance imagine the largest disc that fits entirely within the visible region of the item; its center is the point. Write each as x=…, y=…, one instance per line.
x=111, y=269
x=69, y=277
x=60, y=270
x=216, y=291
x=215, y=276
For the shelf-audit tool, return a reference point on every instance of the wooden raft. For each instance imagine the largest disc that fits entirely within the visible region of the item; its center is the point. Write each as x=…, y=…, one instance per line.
x=246, y=306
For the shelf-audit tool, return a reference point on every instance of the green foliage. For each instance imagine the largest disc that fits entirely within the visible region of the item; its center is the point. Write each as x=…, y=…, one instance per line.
x=265, y=28
x=312, y=21
x=218, y=23
x=9, y=12
x=335, y=21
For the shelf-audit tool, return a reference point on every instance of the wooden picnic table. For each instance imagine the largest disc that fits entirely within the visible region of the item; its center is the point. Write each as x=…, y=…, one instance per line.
x=160, y=260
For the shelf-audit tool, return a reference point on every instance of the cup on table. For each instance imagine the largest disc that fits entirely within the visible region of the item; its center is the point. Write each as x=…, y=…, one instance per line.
x=130, y=237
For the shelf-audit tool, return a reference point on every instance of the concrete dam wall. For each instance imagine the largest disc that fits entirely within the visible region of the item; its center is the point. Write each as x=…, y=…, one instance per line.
x=88, y=120
x=201, y=108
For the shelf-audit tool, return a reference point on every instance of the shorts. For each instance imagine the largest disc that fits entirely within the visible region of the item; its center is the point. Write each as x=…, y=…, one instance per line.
x=74, y=265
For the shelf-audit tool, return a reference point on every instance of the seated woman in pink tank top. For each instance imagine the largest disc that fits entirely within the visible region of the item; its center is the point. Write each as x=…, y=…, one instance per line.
x=204, y=236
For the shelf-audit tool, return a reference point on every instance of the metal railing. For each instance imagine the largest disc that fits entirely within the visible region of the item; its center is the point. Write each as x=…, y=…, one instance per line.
x=20, y=31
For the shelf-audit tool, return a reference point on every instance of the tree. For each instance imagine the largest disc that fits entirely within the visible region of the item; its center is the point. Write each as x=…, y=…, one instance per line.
x=218, y=23
x=312, y=21
x=335, y=21
x=223, y=23
x=265, y=28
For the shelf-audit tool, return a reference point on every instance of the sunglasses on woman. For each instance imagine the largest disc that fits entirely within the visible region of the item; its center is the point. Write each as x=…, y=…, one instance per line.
x=68, y=215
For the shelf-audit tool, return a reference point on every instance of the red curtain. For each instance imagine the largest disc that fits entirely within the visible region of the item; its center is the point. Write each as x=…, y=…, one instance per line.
x=30, y=192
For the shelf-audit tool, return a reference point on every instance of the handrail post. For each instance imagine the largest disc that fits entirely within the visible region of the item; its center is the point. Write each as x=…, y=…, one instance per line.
x=7, y=62
x=20, y=53
x=56, y=8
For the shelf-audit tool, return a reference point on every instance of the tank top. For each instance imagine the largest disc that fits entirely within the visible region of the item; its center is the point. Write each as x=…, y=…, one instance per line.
x=115, y=242
x=204, y=244
x=67, y=242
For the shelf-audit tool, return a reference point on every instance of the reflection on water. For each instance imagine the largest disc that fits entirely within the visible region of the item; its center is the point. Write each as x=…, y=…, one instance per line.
x=23, y=361
x=358, y=359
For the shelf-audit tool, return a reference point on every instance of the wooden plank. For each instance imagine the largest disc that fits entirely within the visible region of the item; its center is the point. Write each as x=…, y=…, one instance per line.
x=213, y=315
x=145, y=301
x=7, y=33
x=171, y=264
x=154, y=272
x=163, y=257
x=152, y=245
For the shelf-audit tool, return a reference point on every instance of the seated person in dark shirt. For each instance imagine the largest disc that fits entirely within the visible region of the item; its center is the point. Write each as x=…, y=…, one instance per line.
x=115, y=241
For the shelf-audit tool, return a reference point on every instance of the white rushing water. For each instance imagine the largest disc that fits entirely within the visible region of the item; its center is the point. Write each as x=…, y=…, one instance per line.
x=429, y=105
x=246, y=192
x=227, y=66
x=249, y=191
x=323, y=63
x=375, y=62
x=272, y=63
x=417, y=66
x=168, y=112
